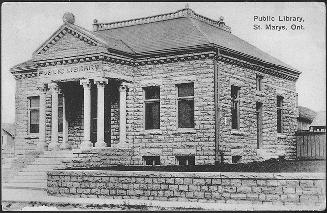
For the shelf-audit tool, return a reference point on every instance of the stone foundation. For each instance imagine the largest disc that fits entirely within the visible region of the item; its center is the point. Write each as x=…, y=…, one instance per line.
x=248, y=188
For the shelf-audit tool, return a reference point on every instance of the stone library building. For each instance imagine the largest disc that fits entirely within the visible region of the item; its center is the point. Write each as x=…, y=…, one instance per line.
x=170, y=89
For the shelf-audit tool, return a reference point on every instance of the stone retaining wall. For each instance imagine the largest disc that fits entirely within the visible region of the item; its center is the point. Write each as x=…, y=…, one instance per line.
x=250, y=188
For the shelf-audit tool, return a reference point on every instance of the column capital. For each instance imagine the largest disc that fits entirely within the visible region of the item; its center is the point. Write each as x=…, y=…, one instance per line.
x=86, y=83
x=53, y=87
x=123, y=87
x=42, y=88
x=100, y=81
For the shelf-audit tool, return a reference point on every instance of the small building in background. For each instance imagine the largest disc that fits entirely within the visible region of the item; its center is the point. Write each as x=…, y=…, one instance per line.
x=319, y=122
x=7, y=139
x=305, y=118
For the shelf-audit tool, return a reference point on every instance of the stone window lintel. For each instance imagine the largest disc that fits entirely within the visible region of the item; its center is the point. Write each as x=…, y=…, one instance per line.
x=184, y=130
x=151, y=132
x=281, y=136
x=236, y=82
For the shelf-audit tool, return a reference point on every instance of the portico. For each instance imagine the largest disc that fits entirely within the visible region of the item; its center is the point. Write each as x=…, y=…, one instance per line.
x=94, y=108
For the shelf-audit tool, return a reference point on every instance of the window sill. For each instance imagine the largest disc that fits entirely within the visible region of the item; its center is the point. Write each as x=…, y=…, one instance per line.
x=32, y=136
x=184, y=130
x=281, y=136
x=237, y=132
x=151, y=132
x=259, y=93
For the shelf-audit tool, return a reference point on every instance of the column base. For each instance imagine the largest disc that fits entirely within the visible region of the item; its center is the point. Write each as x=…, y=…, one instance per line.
x=122, y=145
x=65, y=146
x=100, y=144
x=53, y=146
x=41, y=147
x=86, y=145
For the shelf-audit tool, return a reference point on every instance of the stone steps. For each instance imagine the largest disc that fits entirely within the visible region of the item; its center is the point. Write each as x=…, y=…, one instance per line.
x=34, y=175
x=37, y=185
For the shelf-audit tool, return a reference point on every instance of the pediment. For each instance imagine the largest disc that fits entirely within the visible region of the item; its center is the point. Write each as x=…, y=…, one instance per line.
x=68, y=38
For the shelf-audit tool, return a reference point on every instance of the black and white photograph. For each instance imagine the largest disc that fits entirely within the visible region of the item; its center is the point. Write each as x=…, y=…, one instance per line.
x=163, y=106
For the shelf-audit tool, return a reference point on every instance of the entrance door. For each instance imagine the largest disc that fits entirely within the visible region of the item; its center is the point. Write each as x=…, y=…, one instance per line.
x=259, y=124
x=107, y=114
x=94, y=100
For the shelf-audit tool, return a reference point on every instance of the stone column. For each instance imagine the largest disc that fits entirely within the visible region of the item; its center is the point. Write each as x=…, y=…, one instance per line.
x=86, y=144
x=54, y=145
x=100, y=112
x=41, y=146
x=122, y=115
x=65, y=144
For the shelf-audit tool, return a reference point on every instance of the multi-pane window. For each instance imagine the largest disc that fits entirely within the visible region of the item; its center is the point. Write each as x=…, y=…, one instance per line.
x=259, y=82
x=235, y=95
x=152, y=107
x=151, y=160
x=186, y=160
x=60, y=112
x=186, y=105
x=279, y=113
x=34, y=114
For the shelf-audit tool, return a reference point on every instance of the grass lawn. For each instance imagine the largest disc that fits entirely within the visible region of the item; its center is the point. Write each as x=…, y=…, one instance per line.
x=272, y=165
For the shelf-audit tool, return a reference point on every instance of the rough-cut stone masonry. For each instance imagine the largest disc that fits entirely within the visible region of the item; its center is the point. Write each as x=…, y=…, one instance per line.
x=169, y=141
x=244, y=141
x=256, y=188
x=24, y=142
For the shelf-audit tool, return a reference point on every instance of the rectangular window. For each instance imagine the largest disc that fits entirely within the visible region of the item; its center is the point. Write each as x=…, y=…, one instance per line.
x=235, y=95
x=186, y=105
x=152, y=107
x=151, y=160
x=259, y=82
x=279, y=113
x=60, y=112
x=34, y=114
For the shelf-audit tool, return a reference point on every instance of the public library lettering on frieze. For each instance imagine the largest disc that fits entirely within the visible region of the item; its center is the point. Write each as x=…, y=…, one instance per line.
x=113, y=91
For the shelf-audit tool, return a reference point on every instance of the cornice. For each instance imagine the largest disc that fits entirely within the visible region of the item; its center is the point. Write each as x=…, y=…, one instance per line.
x=224, y=56
x=256, y=67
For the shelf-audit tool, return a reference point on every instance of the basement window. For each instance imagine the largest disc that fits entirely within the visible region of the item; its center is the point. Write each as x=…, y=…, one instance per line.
x=151, y=160
x=186, y=160
x=236, y=158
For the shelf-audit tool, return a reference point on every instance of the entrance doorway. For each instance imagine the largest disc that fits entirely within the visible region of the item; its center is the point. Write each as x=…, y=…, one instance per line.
x=259, y=124
x=107, y=114
x=94, y=110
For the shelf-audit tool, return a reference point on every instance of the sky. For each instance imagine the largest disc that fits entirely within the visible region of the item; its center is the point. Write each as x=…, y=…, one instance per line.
x=25, y=26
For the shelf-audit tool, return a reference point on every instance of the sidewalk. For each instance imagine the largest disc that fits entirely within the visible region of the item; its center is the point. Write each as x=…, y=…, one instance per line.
x=40, y=197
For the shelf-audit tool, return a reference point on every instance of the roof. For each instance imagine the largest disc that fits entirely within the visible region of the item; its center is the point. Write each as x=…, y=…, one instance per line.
x=9, y=128
x=320, y=119
x=180, y=30
x=158, y=36
x=306, y=113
